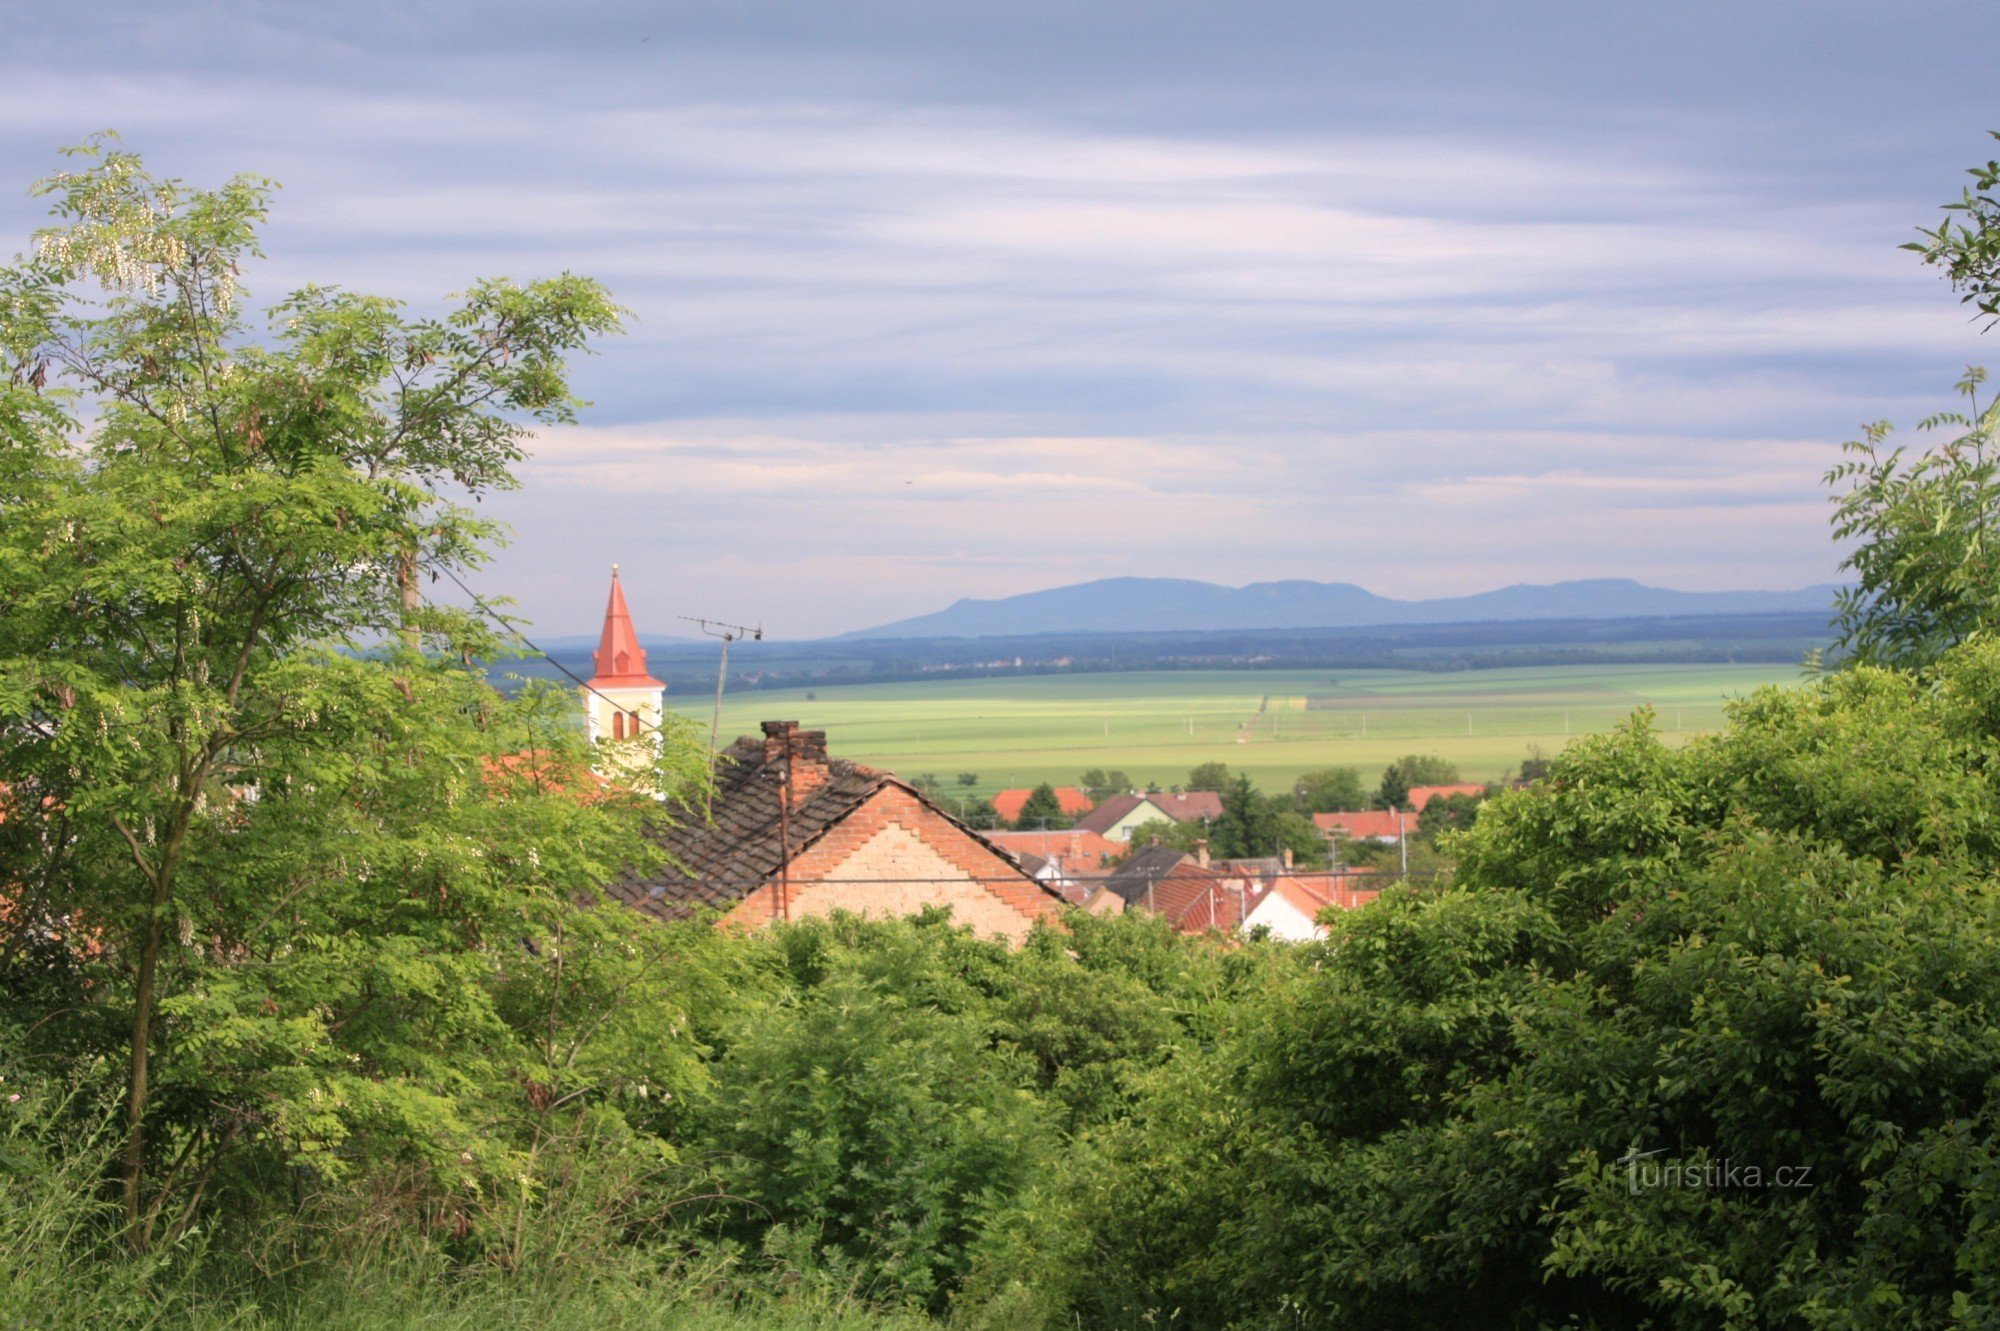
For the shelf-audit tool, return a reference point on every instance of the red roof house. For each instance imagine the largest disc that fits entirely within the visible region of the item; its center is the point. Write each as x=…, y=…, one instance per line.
x=1422, y=795
x=1367, y=824
x=1008, y=802
x=792, y=832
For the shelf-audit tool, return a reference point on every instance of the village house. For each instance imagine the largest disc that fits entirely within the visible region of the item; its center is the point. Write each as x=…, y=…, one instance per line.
x=792, y=832
x=1422, y=795
x=1068, y=860
x=1194, y=895
x=1291, y=908
x=1387, y=826
x=1121, y=815
x=1008, y=803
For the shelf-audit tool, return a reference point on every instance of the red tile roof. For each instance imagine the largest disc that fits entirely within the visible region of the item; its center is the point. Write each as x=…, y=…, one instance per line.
x=1422, y=795
x=1008, y=802
x=1371, y=824
x=1313, y=893
x=1072, y=849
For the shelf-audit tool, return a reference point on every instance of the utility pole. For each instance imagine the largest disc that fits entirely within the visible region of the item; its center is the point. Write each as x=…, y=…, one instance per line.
x=728, y=633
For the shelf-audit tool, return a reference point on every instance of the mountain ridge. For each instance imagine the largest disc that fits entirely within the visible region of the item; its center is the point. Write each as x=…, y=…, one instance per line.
x=1136, y=604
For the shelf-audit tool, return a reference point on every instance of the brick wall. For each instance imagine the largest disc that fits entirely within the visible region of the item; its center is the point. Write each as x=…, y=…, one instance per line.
x=926, y=861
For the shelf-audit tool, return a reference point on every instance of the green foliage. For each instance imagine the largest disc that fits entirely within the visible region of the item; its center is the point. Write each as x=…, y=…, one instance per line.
x=1330, y=790
x=1923, y=563
x=1967, y=246
x=1101, y=785
x=1412, y=769
x=1042, y=809
x=275, y=867
x=1209, y=776
x=1448, y=813
x=1770, y=949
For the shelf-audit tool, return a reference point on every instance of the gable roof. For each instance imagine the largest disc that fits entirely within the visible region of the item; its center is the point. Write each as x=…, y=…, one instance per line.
x=1008, y=802
x=1073, y=846
x=718, y=860
x=1187, y=807
x=746, y=837
x=1190, y=806
x=1384, y=824
x=1422, y=795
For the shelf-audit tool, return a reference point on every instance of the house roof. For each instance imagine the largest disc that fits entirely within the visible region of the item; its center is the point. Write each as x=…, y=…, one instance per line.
x=1422, y=795
x=1168, y=882
x=1075, y=848
x=1072, y=801
x=1310, y=894
x=1387, y=824
x=1191, y=806
x=620, y=660
x=717, y=860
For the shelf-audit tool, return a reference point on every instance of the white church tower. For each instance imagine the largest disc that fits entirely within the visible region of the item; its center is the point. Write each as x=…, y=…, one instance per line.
x=622, y=701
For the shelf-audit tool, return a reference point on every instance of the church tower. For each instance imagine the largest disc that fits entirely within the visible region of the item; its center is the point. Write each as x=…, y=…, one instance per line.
x=622, y=701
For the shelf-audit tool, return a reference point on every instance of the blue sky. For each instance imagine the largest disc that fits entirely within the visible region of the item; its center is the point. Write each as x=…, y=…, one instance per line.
x=938, y=300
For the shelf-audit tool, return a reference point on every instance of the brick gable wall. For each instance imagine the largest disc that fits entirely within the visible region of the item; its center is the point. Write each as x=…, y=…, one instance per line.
x=926, y=858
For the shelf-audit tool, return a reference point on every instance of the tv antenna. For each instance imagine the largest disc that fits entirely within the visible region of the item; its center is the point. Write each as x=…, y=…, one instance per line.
x=729, y=633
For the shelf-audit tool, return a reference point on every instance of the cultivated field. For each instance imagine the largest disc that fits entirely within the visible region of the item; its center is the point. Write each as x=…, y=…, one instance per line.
x=1273, y=725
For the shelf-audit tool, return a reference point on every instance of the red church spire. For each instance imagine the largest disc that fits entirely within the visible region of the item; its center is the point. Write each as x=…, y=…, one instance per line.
x=621, y=661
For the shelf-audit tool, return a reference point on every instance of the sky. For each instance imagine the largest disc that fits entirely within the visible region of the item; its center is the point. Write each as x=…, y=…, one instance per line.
x=970, y=299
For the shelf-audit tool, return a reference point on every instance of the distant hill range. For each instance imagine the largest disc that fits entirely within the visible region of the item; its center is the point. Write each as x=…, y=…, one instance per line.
x=1151, y=605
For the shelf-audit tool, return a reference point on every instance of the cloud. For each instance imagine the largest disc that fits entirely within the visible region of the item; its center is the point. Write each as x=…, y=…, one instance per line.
x=965, y=300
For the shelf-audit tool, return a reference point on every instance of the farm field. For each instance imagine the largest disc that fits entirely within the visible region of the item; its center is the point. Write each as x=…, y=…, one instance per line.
x=1273, y=725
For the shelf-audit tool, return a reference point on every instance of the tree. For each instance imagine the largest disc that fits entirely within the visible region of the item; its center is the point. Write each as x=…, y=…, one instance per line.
x=1534, y=767
x=1967, y=247
x=1330, y=790
x=1209, y=776
x=1448, y=813
x=1100, y=785
x=1042, y=809
x=1412, y=769
x=1247, y=827
x=1925, y=558
x=968, y=779
x=244, y=753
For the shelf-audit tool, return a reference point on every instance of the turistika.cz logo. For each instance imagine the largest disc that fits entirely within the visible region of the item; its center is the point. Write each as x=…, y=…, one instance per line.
x=1644, y=1172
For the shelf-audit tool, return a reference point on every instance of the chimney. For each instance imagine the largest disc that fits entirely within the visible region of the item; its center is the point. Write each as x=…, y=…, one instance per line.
x=1286, y=856
x=804, y=751
x=1201, y=852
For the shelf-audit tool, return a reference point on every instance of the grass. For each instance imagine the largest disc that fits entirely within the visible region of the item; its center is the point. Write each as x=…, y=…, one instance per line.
x=1273, y=725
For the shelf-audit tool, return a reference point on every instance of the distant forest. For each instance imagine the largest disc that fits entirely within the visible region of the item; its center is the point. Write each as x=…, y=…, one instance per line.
x=1761, y=639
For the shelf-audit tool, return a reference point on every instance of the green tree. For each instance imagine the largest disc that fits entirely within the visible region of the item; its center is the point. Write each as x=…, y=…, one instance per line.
x=1209, y=776
x=1967, y=245
x=1412, y=769
x=1925, y=558
x=294, y=837
x=1330, y=790
x=968, y=779
x=1247, y=827
x=1448, y=813
x=1100, y=785
x=1042, y=809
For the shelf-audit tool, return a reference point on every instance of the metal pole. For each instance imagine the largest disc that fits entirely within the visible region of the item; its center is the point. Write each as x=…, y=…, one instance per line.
x=715, y=726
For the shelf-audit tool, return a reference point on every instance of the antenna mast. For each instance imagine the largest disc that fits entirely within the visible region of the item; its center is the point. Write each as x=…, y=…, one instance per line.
x=729, y=633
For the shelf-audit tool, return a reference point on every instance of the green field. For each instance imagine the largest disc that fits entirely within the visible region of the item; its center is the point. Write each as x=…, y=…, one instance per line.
x=1017, y=731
